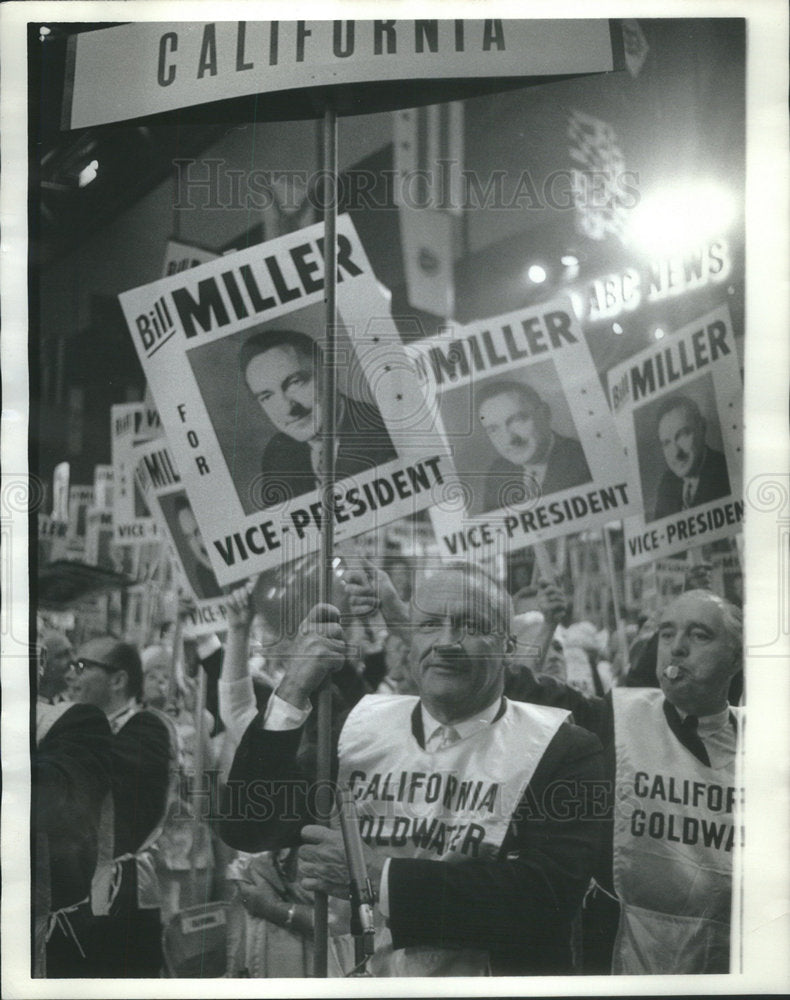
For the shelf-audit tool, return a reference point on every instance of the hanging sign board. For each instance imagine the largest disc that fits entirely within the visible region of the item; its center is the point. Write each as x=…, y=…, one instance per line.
x=139, y=69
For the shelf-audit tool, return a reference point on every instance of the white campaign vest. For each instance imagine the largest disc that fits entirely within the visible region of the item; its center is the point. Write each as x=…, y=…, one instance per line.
x=106, y=881
x=451, y=805
x=674, y=836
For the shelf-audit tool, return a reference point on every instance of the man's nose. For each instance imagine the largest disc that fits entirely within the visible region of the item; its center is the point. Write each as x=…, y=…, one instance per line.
x=679, y=645
x=449, y=639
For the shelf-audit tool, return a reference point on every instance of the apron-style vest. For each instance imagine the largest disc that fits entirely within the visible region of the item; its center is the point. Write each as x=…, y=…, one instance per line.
x=674, y=836
x=451, y=805
x=109, y=869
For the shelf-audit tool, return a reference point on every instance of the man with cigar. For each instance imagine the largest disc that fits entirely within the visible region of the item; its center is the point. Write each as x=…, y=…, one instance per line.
x=664, y=875
x=664, y=892
x=472, y=807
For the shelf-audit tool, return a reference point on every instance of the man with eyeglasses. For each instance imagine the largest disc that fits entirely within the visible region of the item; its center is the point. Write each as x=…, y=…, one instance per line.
x=70, y=778
x=121, y=937
x=471, y=806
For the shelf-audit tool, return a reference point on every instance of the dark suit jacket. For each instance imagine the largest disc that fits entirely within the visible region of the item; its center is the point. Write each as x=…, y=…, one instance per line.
x=566, y=467
x=140, y=753
x=518, y=906
x=714, y=483
x=70, y=777
x=286, y=469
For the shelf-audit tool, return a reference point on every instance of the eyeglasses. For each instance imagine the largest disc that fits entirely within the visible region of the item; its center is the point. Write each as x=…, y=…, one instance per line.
x=81, y=665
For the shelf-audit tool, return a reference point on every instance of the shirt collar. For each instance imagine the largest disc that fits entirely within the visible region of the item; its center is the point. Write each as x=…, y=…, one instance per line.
x=121, y=716
x=708, y=722
x=467, y=727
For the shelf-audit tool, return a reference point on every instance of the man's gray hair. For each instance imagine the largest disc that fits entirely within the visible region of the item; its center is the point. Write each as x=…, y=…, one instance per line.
x=732, y=616
x=499, y=600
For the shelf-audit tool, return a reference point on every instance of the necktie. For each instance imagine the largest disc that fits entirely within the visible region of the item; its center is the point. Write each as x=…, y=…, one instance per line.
x=688, y=494
x=447, y=736
x=692, y=739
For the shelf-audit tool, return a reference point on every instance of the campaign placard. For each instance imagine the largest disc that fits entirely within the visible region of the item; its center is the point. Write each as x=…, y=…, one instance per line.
x=232, y=353
x=130, y=424
x=103, y=486
x=138, y=69
x=80, y=499
x=161, y=485
x=99, y=537
x=534, y=444
x=51, y=538
x=678, y=407
x=181, y=256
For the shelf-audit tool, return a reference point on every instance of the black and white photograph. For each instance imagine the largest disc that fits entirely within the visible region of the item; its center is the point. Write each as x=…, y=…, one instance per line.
x=395, y=498
x=263, y=396
x=677, y=441
x=678, y=406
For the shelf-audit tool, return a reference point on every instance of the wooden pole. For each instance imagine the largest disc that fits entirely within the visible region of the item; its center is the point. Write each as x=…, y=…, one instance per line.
x=197, y=781
x=618, y=618
x=324, y=796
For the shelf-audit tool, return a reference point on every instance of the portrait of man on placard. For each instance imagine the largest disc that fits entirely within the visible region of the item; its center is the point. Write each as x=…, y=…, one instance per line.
x=271, y=433
x=189, y=543
x=679, y=442
x=522, y=443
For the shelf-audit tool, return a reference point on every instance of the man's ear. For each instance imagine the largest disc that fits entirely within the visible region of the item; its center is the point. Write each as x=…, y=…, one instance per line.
x=119, y=681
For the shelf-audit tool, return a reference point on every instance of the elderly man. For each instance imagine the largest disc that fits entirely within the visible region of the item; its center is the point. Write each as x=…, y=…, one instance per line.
x=471, y=806
x=675, y=826
x=533, y=460
x=695, y=472
x=666, y=863
x=279, y=367
x=122, y=938
x=670, y=761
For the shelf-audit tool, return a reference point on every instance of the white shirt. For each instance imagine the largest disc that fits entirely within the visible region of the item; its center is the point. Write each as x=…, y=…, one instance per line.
x=718, y=735
x=281, y=715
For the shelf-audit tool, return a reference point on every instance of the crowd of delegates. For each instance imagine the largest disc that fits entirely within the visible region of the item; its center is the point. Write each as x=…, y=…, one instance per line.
x=527, y=803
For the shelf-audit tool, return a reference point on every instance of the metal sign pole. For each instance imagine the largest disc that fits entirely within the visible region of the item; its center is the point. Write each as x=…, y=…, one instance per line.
x=328, y=397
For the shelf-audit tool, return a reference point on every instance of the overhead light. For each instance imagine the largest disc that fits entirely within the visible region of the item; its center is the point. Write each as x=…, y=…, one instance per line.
x=679, y=217
x=569, y=260
x=536, y=274
x=88, y=174
x=616, y=328
x=43, y=32
x=659, y=333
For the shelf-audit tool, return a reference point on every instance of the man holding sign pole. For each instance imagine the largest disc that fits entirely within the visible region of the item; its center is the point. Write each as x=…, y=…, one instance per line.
x=479, y=839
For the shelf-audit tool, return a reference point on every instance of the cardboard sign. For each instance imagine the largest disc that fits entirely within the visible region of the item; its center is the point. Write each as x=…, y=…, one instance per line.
x=146, y=68
x=160, y=484
x=102, y=486
x=99, y=537
x=534, y=444
x=80, y=499
x=60, y=491
x=131, y=424
x=231, y=351
x=51, y=539
x=678, y=407
x=181, y=256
